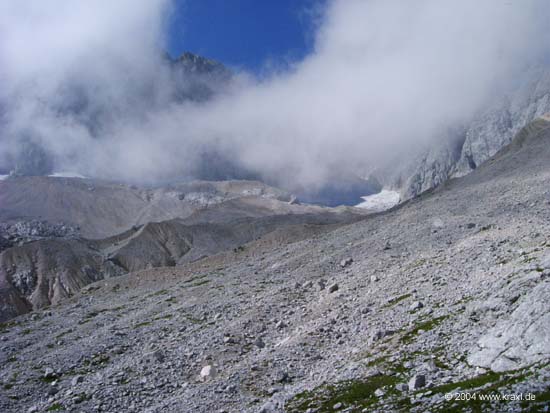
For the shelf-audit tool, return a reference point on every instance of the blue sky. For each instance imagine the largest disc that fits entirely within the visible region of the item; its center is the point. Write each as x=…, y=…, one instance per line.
x=244, y=33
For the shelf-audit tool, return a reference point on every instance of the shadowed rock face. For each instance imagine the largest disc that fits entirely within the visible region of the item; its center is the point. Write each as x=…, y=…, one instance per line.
x=44, y=272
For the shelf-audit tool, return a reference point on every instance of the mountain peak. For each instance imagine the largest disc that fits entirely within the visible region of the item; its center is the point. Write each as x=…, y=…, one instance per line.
x=196, y=63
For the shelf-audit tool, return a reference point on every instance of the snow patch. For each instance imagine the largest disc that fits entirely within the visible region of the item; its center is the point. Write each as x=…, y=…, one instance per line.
x=3, y=177
x=381, y=201
x=65, y=174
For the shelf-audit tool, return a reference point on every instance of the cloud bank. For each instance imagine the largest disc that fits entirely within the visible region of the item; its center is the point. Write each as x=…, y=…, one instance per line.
x=87, y=82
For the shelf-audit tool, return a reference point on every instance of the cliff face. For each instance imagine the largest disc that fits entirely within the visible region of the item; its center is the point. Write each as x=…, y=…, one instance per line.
x=498, y=126
x=480, y=140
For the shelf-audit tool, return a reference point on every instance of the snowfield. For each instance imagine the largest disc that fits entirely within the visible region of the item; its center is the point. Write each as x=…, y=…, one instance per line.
x=67, y=175
x=381, y=201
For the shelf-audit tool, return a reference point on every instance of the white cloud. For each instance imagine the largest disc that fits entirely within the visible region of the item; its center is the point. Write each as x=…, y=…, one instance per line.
x=385, y=76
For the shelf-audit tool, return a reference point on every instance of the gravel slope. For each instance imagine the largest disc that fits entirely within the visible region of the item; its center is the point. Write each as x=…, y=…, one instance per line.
x=448, y=291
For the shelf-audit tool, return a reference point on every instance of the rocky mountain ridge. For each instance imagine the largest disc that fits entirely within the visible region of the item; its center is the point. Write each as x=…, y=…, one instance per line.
x=132, y=229
x=491, y=130
x=100, y=209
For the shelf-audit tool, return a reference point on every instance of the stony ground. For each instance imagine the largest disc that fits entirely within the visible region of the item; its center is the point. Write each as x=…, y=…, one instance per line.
x=447, y=293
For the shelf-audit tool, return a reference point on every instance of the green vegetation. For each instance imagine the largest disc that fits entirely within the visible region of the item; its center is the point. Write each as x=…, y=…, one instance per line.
x=192, y=319
x=163, y=317
x=80, y=397
x=427, y=325
x=195, y=281
x=418, y=263
x=100, y=359
x=472, y=383
x=157, y=293
x=359, y=393
x=95, y=313
x=142, y=324
x=378, y=361
x=440, y=365
x=202, y=282
x=63, y=333
x=487, y=383
x=542, y=400
x=397, y=300
x=48, y=379
x=55, y=407
x=4, y=327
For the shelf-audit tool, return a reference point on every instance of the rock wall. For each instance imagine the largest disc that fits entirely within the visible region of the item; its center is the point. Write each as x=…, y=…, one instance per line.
x=480, y=140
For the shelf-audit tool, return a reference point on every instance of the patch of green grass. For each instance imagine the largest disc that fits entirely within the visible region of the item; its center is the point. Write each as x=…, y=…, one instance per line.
x=100, y=359
x=95, y=313
x=487, y=383
x=196, y=283
x=163, y=317
x=397, y=300
x=63, y=333
x=427, y=325
x=440, y=365
x=48, y=379
x=398, y=368
x=192, y=319
x=464, y=300
x=358, y=393
x=55, y=407
x=472, y=383
x=142, y=324
x=189, y=280
x=541, y=402
x=81, y=397
x=418, y=263
x=377, y=362
x=4, y=327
